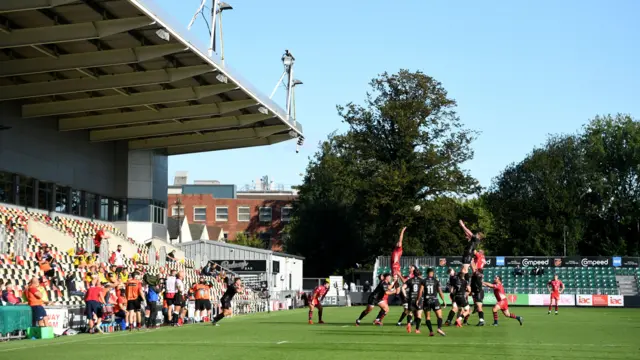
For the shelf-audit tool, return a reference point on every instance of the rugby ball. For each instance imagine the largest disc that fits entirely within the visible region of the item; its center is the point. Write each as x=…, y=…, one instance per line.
x=417, y=208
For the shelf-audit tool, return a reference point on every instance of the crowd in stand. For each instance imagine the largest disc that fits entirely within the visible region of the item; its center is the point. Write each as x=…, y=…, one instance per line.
x=124, y=291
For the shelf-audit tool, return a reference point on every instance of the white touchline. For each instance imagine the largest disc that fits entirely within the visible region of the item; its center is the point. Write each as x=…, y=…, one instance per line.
x=281, y=342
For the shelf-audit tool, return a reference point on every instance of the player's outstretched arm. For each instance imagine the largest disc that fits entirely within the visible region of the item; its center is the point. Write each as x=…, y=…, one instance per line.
x=467, y=232
x=489, y=285
x=399, y=243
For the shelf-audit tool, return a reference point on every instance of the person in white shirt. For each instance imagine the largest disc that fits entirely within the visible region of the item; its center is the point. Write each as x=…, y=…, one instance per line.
x=118, y=260
x=170, y=295
x=179, y=300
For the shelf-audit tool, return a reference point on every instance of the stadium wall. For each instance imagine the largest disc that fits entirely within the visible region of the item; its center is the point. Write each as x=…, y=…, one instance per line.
x=35, y=148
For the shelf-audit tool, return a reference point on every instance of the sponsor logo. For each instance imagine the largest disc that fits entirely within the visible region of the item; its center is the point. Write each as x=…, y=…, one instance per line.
x=487, y=262
x=442, y=262
x=572, y=262
x=600, y=300
x=630, y=263
x=584, y=300
x=557, y=262
x=617, y=261
x=512, y=298
x=500, y=261
x=587, y=262
x=533, y=262
x=616, y=300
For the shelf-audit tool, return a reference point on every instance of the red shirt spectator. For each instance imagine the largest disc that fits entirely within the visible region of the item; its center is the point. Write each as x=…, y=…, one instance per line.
x=97, y=240
x=94, y=294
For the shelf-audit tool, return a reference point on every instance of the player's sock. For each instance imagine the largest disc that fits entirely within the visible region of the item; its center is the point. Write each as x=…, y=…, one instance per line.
x=549, y=307
x=409, y=318
x=381, y=315
x=320, y=314
x=418, y=321
x=451, y=315
x=466, y=319
x=481, y=315
x=363, y=314
x=428, y=322
x=310, y=315
x=402, y=318
x=218, y=318
x=439, y=323
x=556, y=308
x=513, y=316
x=495, y=317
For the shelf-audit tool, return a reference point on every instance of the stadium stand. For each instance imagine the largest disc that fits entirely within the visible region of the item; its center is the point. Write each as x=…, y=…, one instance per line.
x=576, y=280
x=18, y=272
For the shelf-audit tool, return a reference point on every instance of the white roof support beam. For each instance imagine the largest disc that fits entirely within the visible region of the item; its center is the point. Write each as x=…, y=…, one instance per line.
x=24, y=5
x=212, y=137
x=87, y=60
x=122, y=101
x=72, y=32
x=141, y=78
x=190, y=149
x=207, y=124
x=165, y=114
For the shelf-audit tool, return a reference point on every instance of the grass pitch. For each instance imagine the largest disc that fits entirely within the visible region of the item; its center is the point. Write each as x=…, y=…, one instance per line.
x=577, y=333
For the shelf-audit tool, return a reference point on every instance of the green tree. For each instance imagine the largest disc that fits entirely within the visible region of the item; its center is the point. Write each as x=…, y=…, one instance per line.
x=248, y=240
x=584, y=188
x=405, y=146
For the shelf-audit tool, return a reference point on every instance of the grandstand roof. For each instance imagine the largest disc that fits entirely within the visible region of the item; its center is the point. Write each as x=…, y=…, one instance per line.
x=102, y=66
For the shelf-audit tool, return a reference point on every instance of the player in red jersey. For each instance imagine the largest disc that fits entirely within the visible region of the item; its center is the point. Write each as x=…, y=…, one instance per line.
x=503, y=303
x=316, y=300
x=396, y=254
x=555, y=287
x=479, y=260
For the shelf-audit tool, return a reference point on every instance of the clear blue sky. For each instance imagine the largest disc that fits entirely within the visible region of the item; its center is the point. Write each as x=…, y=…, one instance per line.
x=520, y=70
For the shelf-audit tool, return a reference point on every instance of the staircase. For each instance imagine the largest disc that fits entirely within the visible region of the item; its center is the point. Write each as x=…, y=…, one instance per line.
x=627, y=285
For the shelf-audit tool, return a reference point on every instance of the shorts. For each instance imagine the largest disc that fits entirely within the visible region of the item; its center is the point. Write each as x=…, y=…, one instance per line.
x=93, y=307
x=503, y=304
x=555, y=296
x=374, y=300
x=403, y=300
x=121, y=314
x=225, y=303
x=478, y=297
x=431, y=304
x=466, y=259
x=413, y=306
x=316, y=302
x=175, y=300
x=203, y=304
x=461, y=301
x=134, y=305
x=38, y=313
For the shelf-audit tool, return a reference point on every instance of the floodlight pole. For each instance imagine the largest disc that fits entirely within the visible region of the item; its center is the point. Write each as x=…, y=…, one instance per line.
x=288, y=61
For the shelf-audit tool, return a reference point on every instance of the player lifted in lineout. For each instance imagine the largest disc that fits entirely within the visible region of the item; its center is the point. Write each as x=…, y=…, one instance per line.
x=474, y=240
x=502, y=302
x=316, y=301
x=225, y=300
x=396, y=254
x=428, y=295
x=379, y=297
x=556, y=287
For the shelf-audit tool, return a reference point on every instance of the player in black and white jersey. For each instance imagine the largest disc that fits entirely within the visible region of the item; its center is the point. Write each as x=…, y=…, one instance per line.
x=462, y=291
x=401, y=293
x=428, y=293
x=477, y=292
x=473, y=241
x=450, y=286
x=225, y=300
x=379, y=297
x=411, y=289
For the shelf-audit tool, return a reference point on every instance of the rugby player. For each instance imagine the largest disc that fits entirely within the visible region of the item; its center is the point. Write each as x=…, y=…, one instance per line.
x=502, y=302
x=555, y=287
x=379, y=297
x=454, y=306
x=474, y=240
x=396, y=254
x=316, y=301
x=400, y=290
x=410, y=289
x=225, y=300
x=477, y=290
x=462, y=290
x=428, y=294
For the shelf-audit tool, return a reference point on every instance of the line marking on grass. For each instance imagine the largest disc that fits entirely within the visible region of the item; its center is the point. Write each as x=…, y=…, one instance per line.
x=281, y=342
x=345, y=326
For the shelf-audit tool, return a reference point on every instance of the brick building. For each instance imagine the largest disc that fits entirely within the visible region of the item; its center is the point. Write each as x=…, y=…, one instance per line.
x=263, y=213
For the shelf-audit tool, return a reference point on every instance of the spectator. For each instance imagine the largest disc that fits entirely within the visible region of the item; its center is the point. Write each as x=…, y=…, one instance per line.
x=120, y=309
x=35, y=300
x=206, y=270
x=117, y=259
x=517, y=271
x=94, y=300
x=124, y=275
x=8, y=293
x=97, y=240
x=171, y=257
x=70, y=283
